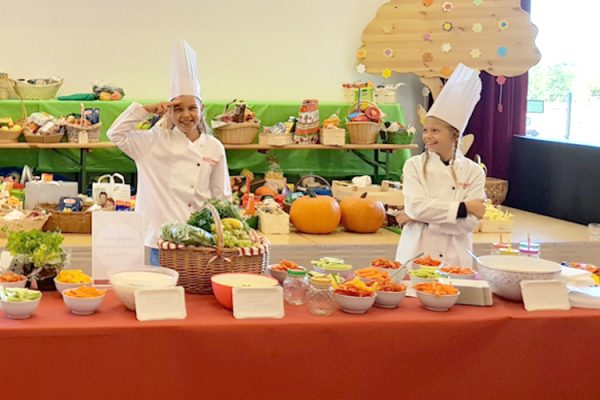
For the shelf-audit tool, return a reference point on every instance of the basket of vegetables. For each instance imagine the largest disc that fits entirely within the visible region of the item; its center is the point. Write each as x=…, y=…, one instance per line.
x=215, y=240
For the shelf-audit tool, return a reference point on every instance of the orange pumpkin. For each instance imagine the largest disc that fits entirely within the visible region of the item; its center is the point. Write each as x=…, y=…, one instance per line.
x=362, y=215
x=315, y=214
x=266, y=191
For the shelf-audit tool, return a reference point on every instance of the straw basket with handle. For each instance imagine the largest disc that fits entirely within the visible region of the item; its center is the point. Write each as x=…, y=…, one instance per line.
x=363, y=132
x=29, y=136
x=237, y=132
x=196, y=265
x=495, y=189
x=80, y=133
x=32, y=222
x=67, y=222
x=12, y=136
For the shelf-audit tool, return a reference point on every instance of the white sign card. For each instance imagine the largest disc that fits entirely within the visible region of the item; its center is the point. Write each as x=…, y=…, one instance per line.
x=5, y=261
x=117, y=242
x=160, y=304
x=258, y=302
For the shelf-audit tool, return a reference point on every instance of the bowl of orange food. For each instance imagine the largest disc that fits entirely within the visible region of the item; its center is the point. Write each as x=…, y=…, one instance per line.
x=11, y=280
x=83, y=300
x=279, y=271
x=390, y=294
x=436, y=296
x=458, y=272
x=426, y=261
x=394, y=268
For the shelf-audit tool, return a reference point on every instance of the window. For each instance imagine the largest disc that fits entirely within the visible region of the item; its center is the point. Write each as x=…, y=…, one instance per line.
x=564, y=88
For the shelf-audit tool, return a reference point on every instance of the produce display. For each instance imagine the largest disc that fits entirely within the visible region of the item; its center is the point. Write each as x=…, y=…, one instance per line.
x=19, y=294
x=383, y=263
x=73, y=276
x=7, y=124
x=187, y=235
x=85, y=292
x=427, y=261
x=361, y=214
x=10, y=277
x=435, y=288
x=315, y=214
x=356, y=288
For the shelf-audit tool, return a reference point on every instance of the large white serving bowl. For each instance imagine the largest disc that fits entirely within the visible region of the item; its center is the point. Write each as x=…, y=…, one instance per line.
x=125, y=282
x=505, y=273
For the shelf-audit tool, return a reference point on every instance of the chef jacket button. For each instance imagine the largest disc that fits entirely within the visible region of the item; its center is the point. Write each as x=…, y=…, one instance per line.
x=197, y=165
x=189, y=205
x=453, y=188
x=441, y=256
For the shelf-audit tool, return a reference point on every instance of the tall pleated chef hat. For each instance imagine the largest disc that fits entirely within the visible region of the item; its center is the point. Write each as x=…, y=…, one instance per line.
x=458, y=98
x=185, y=79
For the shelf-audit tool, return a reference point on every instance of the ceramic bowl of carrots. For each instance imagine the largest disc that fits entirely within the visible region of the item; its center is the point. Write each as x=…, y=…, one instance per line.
x=390, y=294
x=458, y=272
x=279, y=271
x=436, y=296
x=10, y=280
x=427, y=262
x=83, y=300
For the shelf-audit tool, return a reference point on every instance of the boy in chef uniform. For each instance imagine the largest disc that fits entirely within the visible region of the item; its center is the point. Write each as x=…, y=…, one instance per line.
x=179, y=164
x=443, y=190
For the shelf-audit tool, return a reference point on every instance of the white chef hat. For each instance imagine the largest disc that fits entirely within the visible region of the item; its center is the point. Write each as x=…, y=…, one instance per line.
x=458, y=98
x=184, y=74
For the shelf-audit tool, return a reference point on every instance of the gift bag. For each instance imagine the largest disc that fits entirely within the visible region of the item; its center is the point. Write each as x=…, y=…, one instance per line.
x=107, y=191
x=47, y=192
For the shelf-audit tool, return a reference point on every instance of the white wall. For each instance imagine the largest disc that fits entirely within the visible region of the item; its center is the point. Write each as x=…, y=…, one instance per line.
x=257, y=49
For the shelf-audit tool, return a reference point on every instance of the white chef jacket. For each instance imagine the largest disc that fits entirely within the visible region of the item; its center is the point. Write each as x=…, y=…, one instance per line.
x=175, y=175
x=434, y=202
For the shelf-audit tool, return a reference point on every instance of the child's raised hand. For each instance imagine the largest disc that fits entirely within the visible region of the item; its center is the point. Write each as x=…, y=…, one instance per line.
x=403, y=219
x=161, y=108
x=475, y=207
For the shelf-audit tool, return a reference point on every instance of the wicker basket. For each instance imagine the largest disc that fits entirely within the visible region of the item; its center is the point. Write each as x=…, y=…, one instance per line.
x=398, y=137
x=496, y=190
x=53, y=138
x=238, y=133
x=279, y=140
x=67, y=222
x=332, y=136
x=27, y=224
x=38, y=92
x=10, y=136
x=196, y=265
x=73, y=131
x=363, y=132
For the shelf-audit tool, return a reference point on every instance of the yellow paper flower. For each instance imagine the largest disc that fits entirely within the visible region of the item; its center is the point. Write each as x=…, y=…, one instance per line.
x=386, y=73
x=447, y=26
x=361, y=53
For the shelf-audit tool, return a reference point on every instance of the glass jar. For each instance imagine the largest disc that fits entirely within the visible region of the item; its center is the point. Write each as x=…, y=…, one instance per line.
x=320, y=297
x=294, y=287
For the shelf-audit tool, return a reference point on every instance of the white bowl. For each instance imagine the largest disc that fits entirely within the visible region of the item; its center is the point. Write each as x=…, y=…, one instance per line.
x=82, y=306
x=389, y=299
x=354, y=304
x=125, y=283
x=418, y=266
x=400, y=273
x=18, y=284
x=279, y=275
x=19, y=309
x=505, y=273
x=345, y=273
x=415, y=279
x=60, y=286
x=458, y=276
x=437, y=303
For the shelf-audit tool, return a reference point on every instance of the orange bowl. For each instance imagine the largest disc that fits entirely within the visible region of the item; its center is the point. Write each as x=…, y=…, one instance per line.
x=223, y=284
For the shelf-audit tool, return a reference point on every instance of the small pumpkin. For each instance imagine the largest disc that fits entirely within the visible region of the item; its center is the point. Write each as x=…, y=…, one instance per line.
x=266, y=191
x=315, y=214
x=362, y=215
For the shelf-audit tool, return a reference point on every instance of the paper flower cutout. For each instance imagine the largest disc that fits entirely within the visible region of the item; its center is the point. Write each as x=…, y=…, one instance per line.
x=446, y=72
x=477, y=28
x=388, y=52
x=446, y=47
x=478, y=2
x=361, y=53
x=503, y=25
x=427, y=58
x=447, y=6
x=502, y=51
x=475, y=53
x=501, y=80
x=389, y=29
x=386, y=73
x=447, y=26
x=360, y=68
x=427, y=3
x=427, y=37
x=425, y=92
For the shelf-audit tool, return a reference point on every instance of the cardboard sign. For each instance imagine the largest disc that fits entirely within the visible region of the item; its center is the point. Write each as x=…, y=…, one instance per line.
x=258, y=302
x=160, y=304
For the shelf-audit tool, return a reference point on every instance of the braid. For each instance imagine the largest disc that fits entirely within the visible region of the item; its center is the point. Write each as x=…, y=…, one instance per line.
x=425, y=164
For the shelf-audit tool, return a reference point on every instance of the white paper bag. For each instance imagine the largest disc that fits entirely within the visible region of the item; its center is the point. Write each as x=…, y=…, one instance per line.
x=108, y=186
x=41, y=192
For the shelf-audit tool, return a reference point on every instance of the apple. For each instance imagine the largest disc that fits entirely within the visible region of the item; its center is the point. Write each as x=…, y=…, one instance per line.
x=115, y=96
x=16, y=127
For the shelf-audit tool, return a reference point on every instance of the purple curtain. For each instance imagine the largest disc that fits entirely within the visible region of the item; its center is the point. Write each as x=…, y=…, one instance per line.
x=494, y=130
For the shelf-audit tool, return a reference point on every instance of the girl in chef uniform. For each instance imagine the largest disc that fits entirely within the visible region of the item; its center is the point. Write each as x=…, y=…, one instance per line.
x=443, y=190
x=179, y=164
